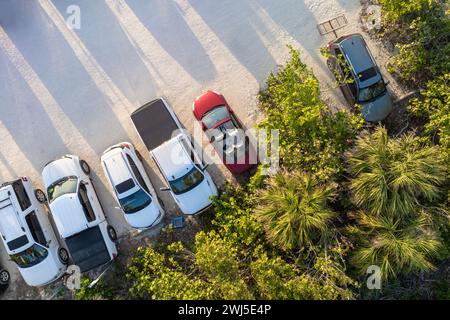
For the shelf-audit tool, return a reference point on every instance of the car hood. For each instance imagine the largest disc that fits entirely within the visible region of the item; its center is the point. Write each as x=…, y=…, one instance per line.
x=59, y=169
x=42, y=273
x=68, y=215
x=197, y=199
x=377, y=109
x=144, y=218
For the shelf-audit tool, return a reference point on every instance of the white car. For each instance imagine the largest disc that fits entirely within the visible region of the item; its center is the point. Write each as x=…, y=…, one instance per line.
x=132, y=188
x=188, y=181
x=27, y=234
x=78, y=213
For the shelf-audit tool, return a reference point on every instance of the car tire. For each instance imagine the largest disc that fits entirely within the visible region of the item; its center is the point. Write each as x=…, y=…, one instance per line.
x=40, y=196
x=112, y=234
x=63, y=255
x=4, y=277
x=85, y=167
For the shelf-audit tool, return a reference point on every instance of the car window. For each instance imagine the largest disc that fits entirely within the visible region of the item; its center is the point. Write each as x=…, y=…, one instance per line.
x=372, y=92
x=35, y=228
x=137, y=174
x=30, y=257
x=125, y=186
x=367, y=74
x=66, y=185
x=187, y=182
x=135, y=202
x=17, y=243
x=214, y=116
x=85, y=203
x=21, y=194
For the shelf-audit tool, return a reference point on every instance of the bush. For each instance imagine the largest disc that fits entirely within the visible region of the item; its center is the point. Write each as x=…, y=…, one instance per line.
x=434, y=106
x=294, y=209
x=423, y=40
x=311, y=137
x=396, y=9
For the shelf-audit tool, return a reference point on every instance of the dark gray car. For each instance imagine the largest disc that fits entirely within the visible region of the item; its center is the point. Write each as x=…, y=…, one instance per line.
x=350, y=59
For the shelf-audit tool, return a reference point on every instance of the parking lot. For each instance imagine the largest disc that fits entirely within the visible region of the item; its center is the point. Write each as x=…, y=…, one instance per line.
x=69, y=91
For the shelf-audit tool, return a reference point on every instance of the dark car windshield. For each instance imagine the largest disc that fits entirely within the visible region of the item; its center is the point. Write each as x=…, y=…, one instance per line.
x=187, y=182
x=30, y=257
x=61, y=187
x=213, y=117
x=372, y=92
x=135, y=202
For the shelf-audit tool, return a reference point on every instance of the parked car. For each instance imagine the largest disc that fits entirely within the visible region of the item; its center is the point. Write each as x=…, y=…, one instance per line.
x=225, y=132
x=364, y=85
x=131, y=185
x=177, y=159
x=28, y=235
x=4, y=279
x=78, y=213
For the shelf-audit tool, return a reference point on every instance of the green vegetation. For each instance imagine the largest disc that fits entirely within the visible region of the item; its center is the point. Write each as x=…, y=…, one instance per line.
x=421, y=30
x=342, y=201
x=395, y=177
x=395, y=183
x=312, y=138
x=434, y=107
x=293, y=209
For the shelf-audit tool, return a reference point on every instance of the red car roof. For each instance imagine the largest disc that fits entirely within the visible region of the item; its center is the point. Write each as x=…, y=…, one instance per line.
x=207, y=102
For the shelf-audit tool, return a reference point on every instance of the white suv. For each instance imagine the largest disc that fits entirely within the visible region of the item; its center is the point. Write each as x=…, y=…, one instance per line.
x=28, y=235
x=132, y=188
x=189, y=183
x=77, y=212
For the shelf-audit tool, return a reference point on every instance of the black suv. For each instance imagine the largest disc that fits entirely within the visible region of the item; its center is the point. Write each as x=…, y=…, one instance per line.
x=351, y=60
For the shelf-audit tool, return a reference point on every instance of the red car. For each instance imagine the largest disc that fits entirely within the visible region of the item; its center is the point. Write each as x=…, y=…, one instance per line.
x=225, y=132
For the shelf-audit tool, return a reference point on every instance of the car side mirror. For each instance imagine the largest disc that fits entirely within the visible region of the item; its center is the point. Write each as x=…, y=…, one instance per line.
x=48, y=243
x=164, y=189
x=205, y=166
x=387, y=83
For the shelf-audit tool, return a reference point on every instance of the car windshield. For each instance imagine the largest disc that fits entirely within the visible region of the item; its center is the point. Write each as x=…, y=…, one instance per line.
x=187, y=182
x=30, y=257
x=61, y=187
x=135, y=202
x=372, y=92
x=213, y=117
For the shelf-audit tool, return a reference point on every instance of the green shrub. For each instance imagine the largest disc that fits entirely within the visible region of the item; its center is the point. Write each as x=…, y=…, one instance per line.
x=434, y=106
x=311, y=137
x=394, y=10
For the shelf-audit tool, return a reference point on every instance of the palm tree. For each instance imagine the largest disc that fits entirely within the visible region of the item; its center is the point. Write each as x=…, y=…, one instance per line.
x=393, y=176
x=395, y=245
x=293, y=209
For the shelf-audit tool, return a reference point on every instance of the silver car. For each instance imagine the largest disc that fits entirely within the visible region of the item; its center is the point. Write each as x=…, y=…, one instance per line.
x=350, y=59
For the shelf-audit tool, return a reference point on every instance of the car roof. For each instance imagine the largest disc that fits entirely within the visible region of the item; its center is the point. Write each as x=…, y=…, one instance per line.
x=173, y=158
x=68, y=215
x=357, y=53
x=117, y=166
x=12, y=225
